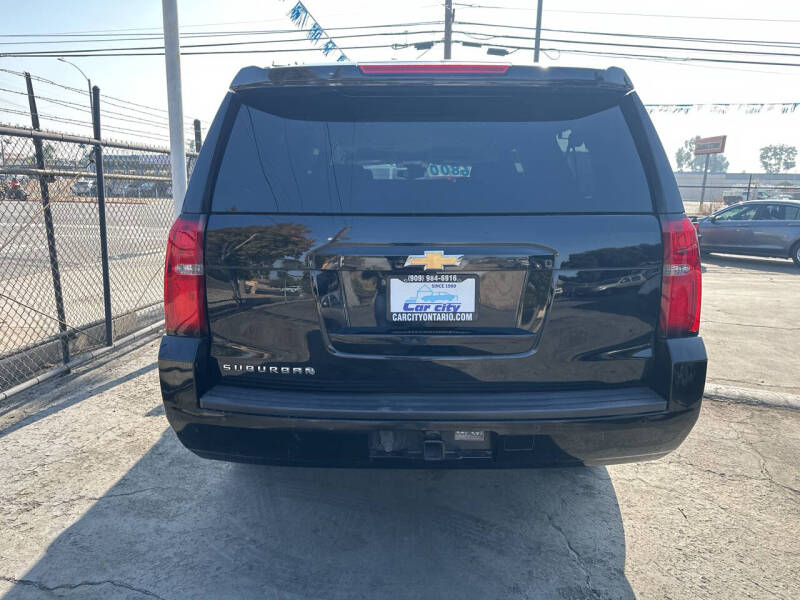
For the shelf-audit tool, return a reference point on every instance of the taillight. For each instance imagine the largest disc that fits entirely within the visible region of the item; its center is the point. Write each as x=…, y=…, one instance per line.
x=434, y=69
x=184, y=281
x=681, y=279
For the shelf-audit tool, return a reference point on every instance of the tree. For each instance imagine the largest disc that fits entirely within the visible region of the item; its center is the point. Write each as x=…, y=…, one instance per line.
x=777, y=158
x=48, y=152
x=687, y=161
x=252, y=252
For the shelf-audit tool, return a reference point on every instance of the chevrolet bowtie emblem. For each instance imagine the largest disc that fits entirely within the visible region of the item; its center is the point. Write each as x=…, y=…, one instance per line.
x=433, y=259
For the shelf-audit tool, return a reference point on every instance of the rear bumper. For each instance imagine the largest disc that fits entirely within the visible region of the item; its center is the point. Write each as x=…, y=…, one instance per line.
x=593, y=426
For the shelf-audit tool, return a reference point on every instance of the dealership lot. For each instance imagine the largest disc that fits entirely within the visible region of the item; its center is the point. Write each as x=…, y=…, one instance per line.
x=751, y=322
x=99, y=499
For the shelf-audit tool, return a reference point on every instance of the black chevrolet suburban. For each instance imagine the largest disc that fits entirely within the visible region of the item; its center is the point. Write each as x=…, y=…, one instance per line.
x=432, y=264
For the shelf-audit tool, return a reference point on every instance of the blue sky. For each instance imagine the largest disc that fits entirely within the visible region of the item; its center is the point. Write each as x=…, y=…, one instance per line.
x=205, y=78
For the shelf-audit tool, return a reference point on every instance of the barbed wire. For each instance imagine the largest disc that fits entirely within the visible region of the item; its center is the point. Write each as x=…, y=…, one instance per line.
x=123, y=118
x=82, y=107
x=111, y=142
x=88, y=124
x=114, y=100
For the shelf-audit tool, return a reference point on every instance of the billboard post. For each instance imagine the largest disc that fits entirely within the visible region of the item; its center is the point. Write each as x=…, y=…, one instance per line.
x=707, y=147
x=703, y=188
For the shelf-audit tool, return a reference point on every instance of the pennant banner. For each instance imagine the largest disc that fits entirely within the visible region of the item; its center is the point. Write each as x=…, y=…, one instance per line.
x=300, y=16
x=719, y=108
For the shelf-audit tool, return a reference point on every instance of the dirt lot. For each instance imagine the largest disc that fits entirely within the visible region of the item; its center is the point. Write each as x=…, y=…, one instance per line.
x=100, y=500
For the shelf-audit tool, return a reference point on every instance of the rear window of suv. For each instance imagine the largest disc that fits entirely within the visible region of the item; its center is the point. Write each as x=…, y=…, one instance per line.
x=279, y=164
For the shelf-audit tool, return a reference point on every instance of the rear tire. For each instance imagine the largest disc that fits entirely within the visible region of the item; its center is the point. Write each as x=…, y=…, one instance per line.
x=796, y=254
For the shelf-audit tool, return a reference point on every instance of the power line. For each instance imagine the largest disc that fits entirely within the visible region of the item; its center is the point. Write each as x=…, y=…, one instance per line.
x=135, y=50
x=470, y=5
x=69, y=52
x=124, y=29
x=197, y=34
x=654, y=47
x=662, y=16
x=767, y=43
x=507, y=36
x=639, y=35
x=157, y=29
x=158, y=50
x=650, y=56
x=630, y=14
x=396, y=46
x=714, y=67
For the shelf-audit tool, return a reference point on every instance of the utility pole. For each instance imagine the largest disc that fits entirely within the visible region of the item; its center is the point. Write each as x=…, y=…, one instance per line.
x=198, y=138
x=448, y=28
x=172, y=59
x=538, y=32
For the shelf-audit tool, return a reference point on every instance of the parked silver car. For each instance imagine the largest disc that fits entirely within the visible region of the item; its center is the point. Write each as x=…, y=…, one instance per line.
x=760, y=228
x=84, y=187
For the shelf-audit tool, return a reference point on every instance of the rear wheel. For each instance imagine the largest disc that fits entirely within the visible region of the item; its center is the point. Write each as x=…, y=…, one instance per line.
x=796, y=254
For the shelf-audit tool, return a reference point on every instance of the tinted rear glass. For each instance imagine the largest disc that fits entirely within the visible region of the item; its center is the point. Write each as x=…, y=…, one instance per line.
x=277, y=164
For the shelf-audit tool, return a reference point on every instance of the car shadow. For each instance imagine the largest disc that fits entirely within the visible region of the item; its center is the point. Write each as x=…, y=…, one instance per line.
x=176, y=526
x=64, y=400
x=756, y=263
x=59, y=393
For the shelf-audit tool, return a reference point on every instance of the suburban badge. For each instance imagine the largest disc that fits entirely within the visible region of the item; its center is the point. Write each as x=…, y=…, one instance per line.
x=267, y=369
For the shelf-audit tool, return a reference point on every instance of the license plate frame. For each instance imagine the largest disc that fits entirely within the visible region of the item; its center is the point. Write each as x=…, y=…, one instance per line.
x=441, y=306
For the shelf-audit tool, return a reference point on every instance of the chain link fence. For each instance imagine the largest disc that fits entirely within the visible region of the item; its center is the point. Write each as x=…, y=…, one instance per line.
x=52, y=300
x=724, y=189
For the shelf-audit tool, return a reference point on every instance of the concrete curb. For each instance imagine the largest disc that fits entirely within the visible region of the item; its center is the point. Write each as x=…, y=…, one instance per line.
x=752, y=396
x=81, y=360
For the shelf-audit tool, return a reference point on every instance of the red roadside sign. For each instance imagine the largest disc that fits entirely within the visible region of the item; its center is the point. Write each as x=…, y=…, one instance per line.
x=710, y=145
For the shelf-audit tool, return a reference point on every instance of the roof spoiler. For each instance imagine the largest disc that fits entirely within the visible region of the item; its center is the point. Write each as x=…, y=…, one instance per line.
x=371, y=73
